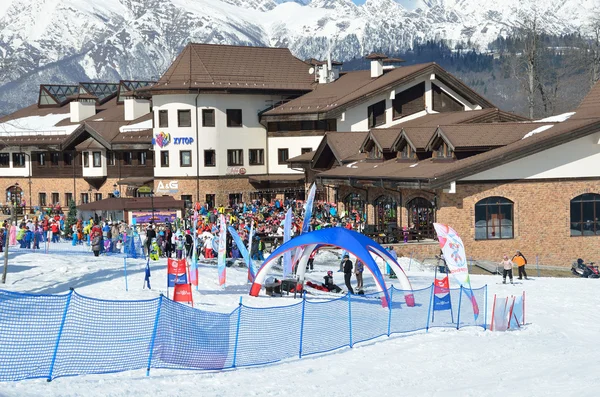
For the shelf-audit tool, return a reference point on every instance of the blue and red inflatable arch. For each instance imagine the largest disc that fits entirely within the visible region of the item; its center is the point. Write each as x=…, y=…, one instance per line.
x=359, y=245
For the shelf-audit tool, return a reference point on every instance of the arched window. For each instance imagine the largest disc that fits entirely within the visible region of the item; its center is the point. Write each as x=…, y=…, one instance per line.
x=421, y=216
x=585, y=211
x=386, y=214
x=494, y=218
x=355, y=207
x=14, y=194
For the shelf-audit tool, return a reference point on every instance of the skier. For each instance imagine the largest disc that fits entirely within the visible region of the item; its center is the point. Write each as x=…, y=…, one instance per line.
x=507, y=266
x=521, y=261
x=154, y=251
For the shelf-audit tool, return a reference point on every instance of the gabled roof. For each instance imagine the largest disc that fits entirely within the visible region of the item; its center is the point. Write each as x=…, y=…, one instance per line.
x=417, y=137
x=383, y=138
x=590, y=106
x=559, y=134
x=358, y=86
x=481, y=136
x=225, y=67
x=342, y=144
x=303, y=158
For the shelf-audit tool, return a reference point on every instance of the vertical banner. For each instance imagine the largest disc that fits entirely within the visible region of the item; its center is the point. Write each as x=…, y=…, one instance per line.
x=222, y=250
x=251, y=267
x=308, y=208
x=456, y=260
x=194, y=264
x=147, y=273
x=287, y=257
x=441, y=297
x=176, y=272
x=243, y=251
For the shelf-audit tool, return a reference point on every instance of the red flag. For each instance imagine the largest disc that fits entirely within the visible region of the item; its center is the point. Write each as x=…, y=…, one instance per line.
x=183, y=293
x=441, y=286
x=176, y=266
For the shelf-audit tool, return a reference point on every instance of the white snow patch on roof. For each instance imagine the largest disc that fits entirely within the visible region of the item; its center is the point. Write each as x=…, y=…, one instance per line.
x=351, y=165
x=414, y=165
x=144, y=125
x=559, y=118
x=538, y=130
x=37, y=125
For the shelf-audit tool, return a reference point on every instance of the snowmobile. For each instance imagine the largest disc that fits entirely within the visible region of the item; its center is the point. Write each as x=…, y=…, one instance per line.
x=587, y=270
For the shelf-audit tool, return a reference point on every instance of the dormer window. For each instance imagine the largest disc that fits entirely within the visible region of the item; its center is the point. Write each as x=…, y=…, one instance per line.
x=375, y=153
x=406, y=153
x=443, y=151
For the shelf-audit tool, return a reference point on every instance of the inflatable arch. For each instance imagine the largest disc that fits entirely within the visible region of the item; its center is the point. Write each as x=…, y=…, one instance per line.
x=357, y=244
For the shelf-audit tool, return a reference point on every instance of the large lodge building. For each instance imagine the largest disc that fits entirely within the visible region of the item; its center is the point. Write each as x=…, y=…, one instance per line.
x=401, y=146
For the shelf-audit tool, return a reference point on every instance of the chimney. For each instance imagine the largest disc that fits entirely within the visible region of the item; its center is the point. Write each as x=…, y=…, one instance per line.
x=82, y=106
x=326, y=71
x=376, y=64
x=136, y=108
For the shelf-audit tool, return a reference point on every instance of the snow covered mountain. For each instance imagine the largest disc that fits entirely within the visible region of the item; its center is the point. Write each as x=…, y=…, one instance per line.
x=104, y=40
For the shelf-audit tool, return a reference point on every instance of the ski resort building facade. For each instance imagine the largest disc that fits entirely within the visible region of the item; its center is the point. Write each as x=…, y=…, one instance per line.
x=396, y=147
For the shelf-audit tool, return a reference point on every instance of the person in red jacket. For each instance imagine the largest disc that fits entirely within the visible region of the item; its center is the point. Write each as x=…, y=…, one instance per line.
x=55, y=232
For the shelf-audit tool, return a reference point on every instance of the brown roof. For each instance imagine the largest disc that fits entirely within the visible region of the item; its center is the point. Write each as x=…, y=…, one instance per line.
x=389, y=170
x=376, y=55
x=34, y=110
x=225, y=67
x=31, y=140
x=559, y=134
x=358, y=86
x=316, y=62
x=590, y=106
x=345, y=144
x=303, y=158
x=437, y=173
x=385, y=137
x=419, y=137
x=486, y=135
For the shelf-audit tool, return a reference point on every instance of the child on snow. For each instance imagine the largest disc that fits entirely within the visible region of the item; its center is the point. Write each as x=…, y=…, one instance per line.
x=154, y=250
x=331, y=287
x=179, y=247
x=507, y=266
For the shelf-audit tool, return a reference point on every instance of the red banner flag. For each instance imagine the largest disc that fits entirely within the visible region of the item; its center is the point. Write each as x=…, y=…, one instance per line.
x=176, y=266
x=441, y=286
x=183, y=293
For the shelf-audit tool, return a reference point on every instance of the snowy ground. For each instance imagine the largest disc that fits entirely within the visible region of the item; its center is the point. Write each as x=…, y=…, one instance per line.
x=555, y=354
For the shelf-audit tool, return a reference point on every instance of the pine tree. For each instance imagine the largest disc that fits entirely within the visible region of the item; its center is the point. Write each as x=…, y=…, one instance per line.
x=71, y=219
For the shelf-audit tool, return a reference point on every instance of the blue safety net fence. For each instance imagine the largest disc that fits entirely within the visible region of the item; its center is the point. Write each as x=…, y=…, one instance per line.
x=123, y=246
x=50, y=336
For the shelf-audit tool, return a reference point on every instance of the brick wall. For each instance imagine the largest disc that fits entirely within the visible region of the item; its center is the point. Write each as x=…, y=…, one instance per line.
x=541, y=214
x=221, y=187
x=56, y=185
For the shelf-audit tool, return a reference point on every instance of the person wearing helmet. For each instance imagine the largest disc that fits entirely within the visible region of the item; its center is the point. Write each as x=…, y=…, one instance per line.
x=154, y=250
x=331, y=287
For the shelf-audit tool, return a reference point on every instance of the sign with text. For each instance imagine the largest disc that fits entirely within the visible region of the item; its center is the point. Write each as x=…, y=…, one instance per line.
x=158, y=217
x=165, y=188
x=236, y=171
